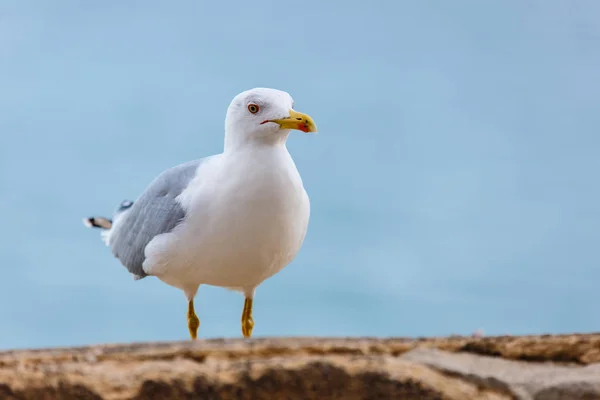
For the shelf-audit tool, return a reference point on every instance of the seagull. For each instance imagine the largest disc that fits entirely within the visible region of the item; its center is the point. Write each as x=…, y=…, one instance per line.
x=230, y=220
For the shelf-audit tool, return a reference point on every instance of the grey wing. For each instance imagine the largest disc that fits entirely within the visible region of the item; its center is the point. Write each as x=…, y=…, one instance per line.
x=155, y=212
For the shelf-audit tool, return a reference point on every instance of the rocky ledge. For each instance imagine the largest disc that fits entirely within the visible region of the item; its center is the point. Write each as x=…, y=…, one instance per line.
x=461, y=368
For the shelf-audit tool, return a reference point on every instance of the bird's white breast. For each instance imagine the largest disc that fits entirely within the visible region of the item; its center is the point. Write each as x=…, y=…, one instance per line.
x=246, y=218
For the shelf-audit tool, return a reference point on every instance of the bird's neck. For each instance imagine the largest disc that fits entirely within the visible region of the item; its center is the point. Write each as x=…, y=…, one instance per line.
x=234, y=143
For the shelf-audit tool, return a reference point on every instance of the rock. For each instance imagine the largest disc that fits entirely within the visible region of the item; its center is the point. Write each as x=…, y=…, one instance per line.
x=524, y=381
x=456, y=368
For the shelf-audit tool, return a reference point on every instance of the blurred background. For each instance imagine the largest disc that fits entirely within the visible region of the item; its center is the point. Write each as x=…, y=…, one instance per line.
x=454, y=180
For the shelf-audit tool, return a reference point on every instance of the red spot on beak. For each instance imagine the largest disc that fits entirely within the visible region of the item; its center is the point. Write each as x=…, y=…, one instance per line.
x=302, y=126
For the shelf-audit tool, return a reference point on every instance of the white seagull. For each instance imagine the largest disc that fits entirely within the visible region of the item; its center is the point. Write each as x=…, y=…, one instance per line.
x=231, y=220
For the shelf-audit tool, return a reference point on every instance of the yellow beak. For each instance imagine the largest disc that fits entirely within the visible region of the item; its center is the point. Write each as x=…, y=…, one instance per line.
x=296, y=120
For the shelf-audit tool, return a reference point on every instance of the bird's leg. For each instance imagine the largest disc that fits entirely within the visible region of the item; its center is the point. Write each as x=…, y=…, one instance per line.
x=247, y=321
x=193, y=321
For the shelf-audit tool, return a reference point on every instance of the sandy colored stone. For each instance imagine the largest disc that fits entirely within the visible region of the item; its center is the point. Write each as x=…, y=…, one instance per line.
x=461, y=368
x=523, y=380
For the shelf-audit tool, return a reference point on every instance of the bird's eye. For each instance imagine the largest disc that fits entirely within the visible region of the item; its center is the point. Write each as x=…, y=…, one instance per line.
x=253, y=108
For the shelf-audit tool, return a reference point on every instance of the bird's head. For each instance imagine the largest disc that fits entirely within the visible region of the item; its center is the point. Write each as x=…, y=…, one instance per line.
x=266, y=115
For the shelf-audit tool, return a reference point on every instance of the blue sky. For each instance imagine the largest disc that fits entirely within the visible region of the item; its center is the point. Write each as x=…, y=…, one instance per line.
x=454, y=181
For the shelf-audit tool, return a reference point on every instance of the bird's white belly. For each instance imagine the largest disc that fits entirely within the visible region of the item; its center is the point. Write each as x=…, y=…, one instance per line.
x=244, y=233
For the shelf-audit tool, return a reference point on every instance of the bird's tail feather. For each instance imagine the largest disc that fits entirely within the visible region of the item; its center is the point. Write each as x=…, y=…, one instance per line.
x=98, y=222
x=106, y=223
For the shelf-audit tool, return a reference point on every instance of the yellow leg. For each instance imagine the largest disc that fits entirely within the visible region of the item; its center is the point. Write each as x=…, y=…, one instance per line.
x=247, y=321
x=193, y=321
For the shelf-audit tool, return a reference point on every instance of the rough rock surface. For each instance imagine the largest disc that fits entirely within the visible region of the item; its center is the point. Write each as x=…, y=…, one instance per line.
x=455, y=368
